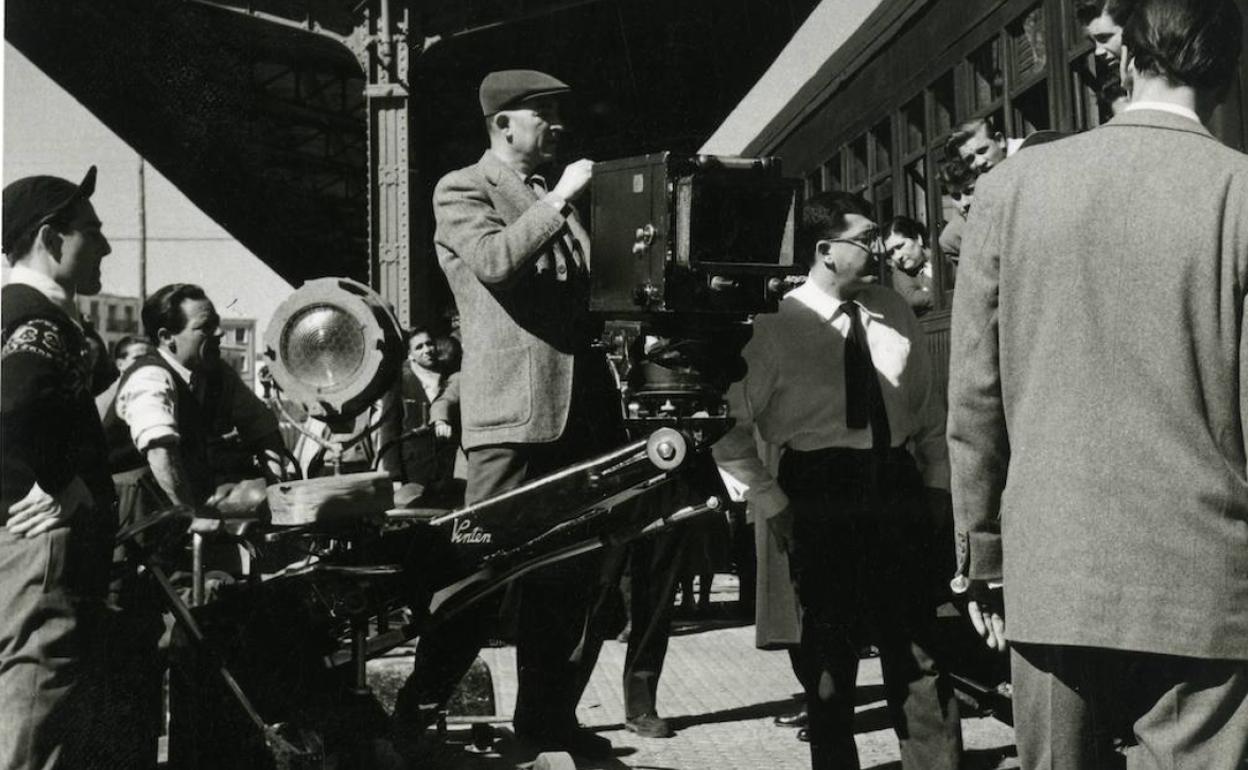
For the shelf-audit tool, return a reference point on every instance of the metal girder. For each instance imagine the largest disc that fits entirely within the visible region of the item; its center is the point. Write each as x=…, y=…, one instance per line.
x=397, y=228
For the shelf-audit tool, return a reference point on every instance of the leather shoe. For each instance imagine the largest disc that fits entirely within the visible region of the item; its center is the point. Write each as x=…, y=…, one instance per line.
x=576, y=740
x=649, y=726
x=796, y=719
x=803, y=735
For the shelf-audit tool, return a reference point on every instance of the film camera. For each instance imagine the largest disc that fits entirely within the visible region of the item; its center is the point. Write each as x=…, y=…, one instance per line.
x=685, y=250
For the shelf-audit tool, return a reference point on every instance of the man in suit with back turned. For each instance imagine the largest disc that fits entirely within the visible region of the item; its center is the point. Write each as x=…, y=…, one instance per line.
x=534, y=396
x=1099, y=383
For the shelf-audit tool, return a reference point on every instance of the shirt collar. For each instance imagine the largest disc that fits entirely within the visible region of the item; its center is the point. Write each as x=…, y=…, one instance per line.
x=176, y=365
x=825, y=305
x=425, y=375
x=1173, y=109
x=43, y=283
x=515, y=170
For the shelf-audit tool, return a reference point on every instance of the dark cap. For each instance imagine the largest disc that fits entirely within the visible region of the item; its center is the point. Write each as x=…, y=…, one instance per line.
x=32, y=201
x=506, y=89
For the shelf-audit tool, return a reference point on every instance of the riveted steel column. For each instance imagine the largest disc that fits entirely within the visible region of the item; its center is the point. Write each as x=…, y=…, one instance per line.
x=398, y=224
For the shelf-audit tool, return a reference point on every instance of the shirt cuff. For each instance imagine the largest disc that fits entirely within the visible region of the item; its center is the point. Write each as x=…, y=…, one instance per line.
x=979, y=555
x=767, y=503
x=157, y=433
x=556, y=202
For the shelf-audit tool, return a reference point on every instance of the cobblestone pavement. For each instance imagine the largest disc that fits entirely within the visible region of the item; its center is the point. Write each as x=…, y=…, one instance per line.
x=720, y=694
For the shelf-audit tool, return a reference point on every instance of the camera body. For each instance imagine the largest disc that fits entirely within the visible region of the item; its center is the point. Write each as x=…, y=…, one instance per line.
x=688, y=235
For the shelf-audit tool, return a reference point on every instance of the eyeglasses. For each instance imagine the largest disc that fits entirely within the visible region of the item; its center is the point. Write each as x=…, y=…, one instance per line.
x=870, y=244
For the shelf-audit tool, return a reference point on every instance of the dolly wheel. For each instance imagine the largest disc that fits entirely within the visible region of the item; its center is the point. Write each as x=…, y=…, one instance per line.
x=554, y=760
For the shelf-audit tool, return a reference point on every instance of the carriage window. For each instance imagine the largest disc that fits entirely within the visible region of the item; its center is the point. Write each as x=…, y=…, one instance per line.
x=987, y=75
x=858, y=161
x=882, y=143
x=912, y=123
x=915, y=190
x=1027, y=45
x=814, y=183
x=1031, y=110
x=944, y=104
x=833, y=176
x=1074, y=30
x=884, y=209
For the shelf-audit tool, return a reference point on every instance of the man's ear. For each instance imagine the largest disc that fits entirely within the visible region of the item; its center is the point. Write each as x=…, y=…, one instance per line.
x=823, y=253
x=502, y=122
x=1126, y=69
x=51, y=240
x=165, y=337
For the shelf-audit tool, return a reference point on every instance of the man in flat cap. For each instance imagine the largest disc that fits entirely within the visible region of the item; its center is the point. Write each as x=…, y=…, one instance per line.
x=56, y=497
x=534, y=396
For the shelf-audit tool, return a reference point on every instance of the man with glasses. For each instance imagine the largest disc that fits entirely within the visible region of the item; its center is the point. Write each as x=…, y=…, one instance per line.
x=841, y=378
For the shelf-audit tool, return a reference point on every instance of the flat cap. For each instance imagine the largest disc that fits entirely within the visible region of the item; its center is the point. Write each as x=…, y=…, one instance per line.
x=34, y=200
x=505, y=89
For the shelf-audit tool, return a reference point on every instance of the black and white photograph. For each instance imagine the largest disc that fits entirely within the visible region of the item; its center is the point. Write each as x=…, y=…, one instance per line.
x=610, y=384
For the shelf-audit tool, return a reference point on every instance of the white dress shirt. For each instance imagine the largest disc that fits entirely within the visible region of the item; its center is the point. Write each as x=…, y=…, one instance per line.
x=794, y=392
x=1173, y=109
x=148, y=404
x=430, y=381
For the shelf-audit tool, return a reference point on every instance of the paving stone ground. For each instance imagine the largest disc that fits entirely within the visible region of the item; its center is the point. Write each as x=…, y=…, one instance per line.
x=720, y=693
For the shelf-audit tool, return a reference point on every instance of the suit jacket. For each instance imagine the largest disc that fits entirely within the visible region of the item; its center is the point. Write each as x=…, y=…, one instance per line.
x=916, y=289
x=426, y=458
x=1098, y=389
x=524, y=306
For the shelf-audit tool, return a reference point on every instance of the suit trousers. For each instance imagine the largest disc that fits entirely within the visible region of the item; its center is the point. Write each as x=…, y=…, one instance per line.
x=555, y=648
x=1173, y=713
x=48, y=657
x=861, y=540
x=645, y=573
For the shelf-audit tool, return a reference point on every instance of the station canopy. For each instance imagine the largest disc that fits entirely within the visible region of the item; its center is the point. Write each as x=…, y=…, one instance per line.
x=257, y=110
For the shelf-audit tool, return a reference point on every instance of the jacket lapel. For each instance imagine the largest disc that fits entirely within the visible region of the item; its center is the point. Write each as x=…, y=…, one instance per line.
x=519, y=197
x=511, y=188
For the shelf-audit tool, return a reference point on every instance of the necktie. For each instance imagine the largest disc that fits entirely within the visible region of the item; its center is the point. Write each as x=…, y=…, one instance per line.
x=864, y=400
x=565, y=246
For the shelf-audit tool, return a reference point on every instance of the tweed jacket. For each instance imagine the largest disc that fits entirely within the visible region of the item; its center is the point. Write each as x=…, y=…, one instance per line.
x=1098, y=388
x=524, y=307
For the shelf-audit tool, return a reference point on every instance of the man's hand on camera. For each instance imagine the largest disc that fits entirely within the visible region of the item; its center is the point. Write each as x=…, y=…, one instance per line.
x=781, y=526
x=987, y=614
x=575, y=180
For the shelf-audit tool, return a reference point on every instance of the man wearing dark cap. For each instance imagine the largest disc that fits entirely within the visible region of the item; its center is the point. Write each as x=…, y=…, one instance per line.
x=56, y=497
x=534, y=396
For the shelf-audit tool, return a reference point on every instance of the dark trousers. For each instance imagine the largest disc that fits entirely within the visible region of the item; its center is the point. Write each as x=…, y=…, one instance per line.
x=645, y=573
x=555, y=649
x=861, y=538
x=653, y=574
x=1173, y=712
x=48, y=655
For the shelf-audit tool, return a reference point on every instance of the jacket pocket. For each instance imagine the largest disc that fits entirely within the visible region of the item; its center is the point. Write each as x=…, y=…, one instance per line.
x=55, y=547
x=499, y=395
